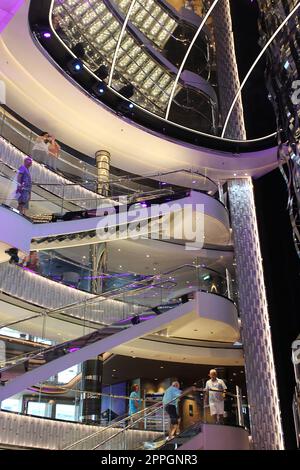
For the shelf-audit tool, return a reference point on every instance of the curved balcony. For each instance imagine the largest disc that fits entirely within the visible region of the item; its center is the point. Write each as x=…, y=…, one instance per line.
x=72, y=183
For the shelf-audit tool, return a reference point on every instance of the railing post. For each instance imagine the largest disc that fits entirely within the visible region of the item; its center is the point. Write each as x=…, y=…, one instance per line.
x=229, y=285
x=221, y=192
x=239, y=406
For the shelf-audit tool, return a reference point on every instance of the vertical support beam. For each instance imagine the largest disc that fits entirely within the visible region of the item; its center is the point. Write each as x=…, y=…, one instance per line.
x=227, y=71
x=98, y=252
x=266, y=427
x=98, y=257
x=92, y=372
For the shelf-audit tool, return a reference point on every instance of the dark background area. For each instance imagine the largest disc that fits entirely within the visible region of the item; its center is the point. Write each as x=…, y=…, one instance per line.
x=281, y=263
x=281, y=271
x=258, y=110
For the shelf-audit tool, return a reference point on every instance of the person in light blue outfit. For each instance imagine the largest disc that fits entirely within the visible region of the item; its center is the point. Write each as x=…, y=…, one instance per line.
x=171, y=402
x=134, y=401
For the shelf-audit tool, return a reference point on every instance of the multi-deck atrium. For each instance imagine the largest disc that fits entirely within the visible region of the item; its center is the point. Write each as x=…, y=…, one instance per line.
x=132, y=264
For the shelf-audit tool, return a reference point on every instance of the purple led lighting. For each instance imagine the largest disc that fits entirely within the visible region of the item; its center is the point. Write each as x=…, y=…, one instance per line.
x=47, y=35
x=73, y=350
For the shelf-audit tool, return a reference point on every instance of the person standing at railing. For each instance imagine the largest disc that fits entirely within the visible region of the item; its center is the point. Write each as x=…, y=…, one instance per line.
x=32, y=261
x=134, y=400
x=214, y=396
x=53, y=150
x=171, y=403
x=40, y=151
x=23, y=192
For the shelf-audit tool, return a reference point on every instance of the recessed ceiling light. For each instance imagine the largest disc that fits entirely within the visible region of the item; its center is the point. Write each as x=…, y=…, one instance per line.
x=155, y=379
x=114, y=370
x=147, y=256
x=234, y=174
x=161, y=367
x=120, y=266
x=119, y=249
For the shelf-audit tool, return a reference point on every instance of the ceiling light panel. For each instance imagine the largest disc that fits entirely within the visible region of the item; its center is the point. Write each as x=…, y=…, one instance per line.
x=92, y=24
x=151, y=19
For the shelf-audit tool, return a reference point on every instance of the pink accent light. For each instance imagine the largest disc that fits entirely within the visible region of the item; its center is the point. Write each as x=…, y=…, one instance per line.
x=8, y=9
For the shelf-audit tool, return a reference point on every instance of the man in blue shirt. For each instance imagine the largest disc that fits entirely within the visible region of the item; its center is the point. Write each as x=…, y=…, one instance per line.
x=170, y=401
x=134, y=401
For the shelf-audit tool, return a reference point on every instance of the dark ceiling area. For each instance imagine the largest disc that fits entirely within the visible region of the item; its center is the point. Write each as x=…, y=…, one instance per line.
x=124, y=368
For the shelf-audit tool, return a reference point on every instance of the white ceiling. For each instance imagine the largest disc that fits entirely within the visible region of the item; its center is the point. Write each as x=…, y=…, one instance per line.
x=151, y=256
x=42, y=95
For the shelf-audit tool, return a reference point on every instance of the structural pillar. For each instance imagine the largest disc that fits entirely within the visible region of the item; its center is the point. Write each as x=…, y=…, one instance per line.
x=92, y=372
x=98, y=257
x=264, y=408
x=98, y=252
x=227, y=71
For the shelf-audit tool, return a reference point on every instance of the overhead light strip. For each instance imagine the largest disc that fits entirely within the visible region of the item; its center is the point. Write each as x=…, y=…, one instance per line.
x=254, y=64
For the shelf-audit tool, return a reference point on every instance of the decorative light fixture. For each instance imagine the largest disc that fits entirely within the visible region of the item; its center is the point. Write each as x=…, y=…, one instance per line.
x=99, y=88
x=75, y=66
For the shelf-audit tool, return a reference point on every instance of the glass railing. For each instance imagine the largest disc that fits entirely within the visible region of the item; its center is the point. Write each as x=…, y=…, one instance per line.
x=147, y=429
x=51, y=201
x=189, y=406
x=156, y=293
x=76, y=180
x=98, y=317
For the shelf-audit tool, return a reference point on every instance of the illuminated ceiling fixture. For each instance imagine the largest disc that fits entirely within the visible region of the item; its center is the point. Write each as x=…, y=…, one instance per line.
x=99, y=89
x=97, y=28
x=75, y=66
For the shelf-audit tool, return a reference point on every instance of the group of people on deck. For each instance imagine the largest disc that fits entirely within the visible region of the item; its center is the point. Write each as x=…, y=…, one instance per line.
x=215, y=390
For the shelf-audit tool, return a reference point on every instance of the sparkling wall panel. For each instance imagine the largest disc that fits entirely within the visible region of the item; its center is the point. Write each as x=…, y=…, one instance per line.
x=262, y=391
x=228, y=77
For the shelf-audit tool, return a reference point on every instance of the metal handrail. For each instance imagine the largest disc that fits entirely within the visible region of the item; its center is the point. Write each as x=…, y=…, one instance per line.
x=157, y=408
x=154, y=410
x=144, y=283
x=111, y=426
x=113, y=180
